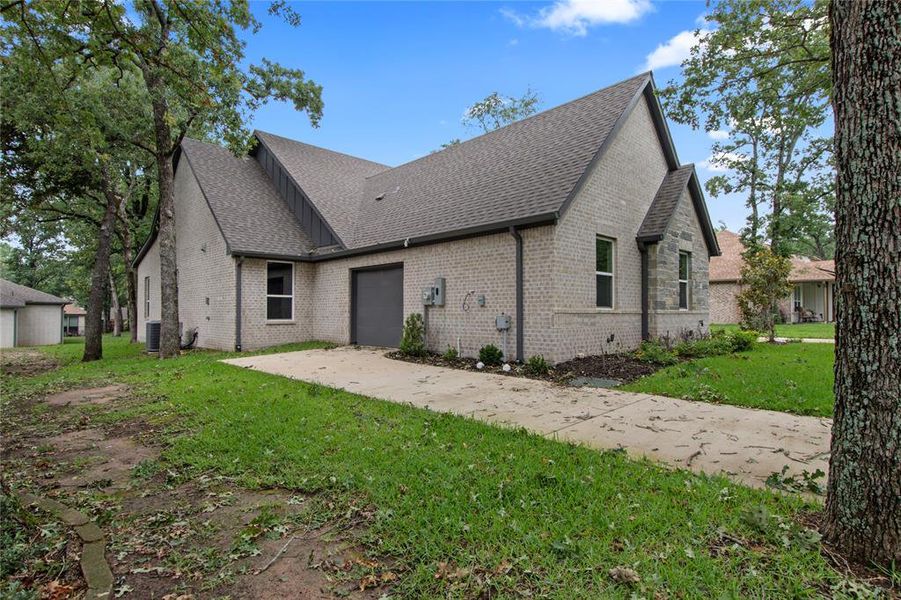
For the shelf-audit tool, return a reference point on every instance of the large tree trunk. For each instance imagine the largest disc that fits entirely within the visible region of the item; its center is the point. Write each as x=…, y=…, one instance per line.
x=93, y=329
x=169, y=334
x=117, y=308
x=131, y=291
x=863, y=504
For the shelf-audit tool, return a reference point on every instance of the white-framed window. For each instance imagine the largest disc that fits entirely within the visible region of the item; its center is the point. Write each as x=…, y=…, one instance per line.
x=279, y=291
x=799, y=298
x=684, y=279
x=604, y=260
x=147, y=297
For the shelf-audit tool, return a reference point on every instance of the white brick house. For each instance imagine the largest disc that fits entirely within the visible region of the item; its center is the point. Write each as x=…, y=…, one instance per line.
x=578, y=224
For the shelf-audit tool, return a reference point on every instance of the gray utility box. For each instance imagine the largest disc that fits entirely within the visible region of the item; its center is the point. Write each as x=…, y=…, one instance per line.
x=502, y=322
x=434, y=294
x=152, y=338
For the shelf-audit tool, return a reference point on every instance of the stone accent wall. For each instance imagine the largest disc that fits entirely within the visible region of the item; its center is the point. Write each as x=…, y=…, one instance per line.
x=723, y=302
x=665, y=318
x=206, y=282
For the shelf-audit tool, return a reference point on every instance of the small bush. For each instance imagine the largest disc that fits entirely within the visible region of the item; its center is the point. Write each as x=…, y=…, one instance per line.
x=655, y=353
x=705, y=347
x=491, y=355
x=536, y=365
x=412, y=341
x=742, y=341
x=450, y=354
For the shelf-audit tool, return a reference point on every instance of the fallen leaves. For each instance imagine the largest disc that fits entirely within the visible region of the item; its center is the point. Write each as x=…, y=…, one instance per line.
x=624, y=575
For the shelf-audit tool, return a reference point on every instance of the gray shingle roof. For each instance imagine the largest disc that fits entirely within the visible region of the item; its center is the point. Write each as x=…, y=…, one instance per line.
x=331, y=180
x=251, y=215
x=664, y=205
x=13, y=295
x=522, y=173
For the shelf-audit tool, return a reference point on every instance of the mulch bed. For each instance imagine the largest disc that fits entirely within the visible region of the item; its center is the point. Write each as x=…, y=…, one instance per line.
x=622, y=367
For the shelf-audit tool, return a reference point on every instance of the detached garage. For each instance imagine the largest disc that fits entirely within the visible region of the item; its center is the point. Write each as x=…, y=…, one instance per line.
x=29, y=317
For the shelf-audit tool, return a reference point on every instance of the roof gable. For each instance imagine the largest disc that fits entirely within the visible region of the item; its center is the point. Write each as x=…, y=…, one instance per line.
x=13, y=295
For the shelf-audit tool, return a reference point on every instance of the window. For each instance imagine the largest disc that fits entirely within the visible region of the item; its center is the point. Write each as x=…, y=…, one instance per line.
x=798, y=298
x=603, y=267
x=146, y=297
x=684, y=277
x=279, y=291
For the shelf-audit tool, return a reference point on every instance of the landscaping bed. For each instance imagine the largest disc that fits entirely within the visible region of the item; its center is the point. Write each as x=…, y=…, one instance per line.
x=622, y=368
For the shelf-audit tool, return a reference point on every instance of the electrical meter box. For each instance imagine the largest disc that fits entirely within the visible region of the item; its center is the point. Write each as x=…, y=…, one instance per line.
x=502, y=322
x=438, y=292
x=428, y=296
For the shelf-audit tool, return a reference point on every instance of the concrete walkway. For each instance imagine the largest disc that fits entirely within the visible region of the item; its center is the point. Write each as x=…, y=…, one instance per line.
x=745, y=444
x=784, y=340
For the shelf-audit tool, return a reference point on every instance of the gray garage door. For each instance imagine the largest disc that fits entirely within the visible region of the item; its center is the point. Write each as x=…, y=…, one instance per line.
x=378, y=306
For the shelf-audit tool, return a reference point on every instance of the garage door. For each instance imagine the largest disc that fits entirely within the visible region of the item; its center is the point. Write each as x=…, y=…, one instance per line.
x=378, y=306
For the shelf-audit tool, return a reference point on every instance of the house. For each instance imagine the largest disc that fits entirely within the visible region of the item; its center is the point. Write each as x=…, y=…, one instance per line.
x=811, y=300
x=73, y=319
x=576, y=230
x=29, y=317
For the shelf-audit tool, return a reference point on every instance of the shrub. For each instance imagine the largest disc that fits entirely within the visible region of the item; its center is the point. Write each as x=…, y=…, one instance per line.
x=412, y=341
x=491, y=355
x=450, y=354
x=704, y=347
x=742, y=341
x=536, y=365
x=655, y=353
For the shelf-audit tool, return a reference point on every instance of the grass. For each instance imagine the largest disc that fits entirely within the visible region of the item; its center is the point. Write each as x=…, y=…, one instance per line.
x=795, y=378
x=466, y=509
x=824, y=331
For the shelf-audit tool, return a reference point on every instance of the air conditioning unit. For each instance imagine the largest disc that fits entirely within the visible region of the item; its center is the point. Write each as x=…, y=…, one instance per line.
x=152, y=341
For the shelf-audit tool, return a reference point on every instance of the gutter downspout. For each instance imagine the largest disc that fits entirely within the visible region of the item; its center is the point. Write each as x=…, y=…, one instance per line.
x=239, y=261
x=520, y=304
x=645, y=329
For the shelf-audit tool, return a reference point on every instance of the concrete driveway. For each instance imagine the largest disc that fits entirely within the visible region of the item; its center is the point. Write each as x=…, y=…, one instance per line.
x=746, y=444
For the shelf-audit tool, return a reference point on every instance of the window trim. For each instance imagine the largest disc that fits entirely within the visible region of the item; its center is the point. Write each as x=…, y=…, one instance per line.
x=146, y=297
x=268, y=295
x=686, y=281
x=611, y=274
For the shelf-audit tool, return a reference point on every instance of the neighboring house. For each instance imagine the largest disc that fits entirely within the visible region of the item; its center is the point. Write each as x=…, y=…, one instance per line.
x=811, y=300
x=29, y=317
x=578, y=226
x=73, y=319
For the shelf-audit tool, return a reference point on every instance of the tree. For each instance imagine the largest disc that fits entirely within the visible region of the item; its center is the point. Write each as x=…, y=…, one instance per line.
x=38, y=258
x=764, y=279
x=61, y=130
x=189, y=58
x=495, y=110
x=863, y=502
x=759, y=77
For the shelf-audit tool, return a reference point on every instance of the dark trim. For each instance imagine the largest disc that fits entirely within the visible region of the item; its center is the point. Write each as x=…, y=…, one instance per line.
x=645, y=274
x=697, y=196
x=491, y=228
x=239, y=262
x=660, y=124
x=353, y=292
x=290, y=178
x=520, y=300
x=620, y=121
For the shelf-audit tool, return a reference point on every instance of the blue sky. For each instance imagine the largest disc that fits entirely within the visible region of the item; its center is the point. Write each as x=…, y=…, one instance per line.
x=397, y=76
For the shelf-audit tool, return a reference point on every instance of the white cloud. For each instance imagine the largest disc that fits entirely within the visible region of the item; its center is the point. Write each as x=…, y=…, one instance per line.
x=672, y=52
x=575, y=17
x=721, y=162
x=718, y=134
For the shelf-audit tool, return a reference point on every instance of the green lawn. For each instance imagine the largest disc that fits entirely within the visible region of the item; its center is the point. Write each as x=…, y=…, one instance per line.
x=793, y=377
x=518, y=514
x=824, y=331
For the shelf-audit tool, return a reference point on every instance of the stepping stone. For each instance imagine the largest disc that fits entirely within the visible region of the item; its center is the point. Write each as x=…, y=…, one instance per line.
x=96, y=572
x=89, y=533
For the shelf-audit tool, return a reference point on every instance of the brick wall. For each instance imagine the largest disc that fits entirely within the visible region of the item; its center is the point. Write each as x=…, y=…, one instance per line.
x=723, y=305
x=206, y=290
